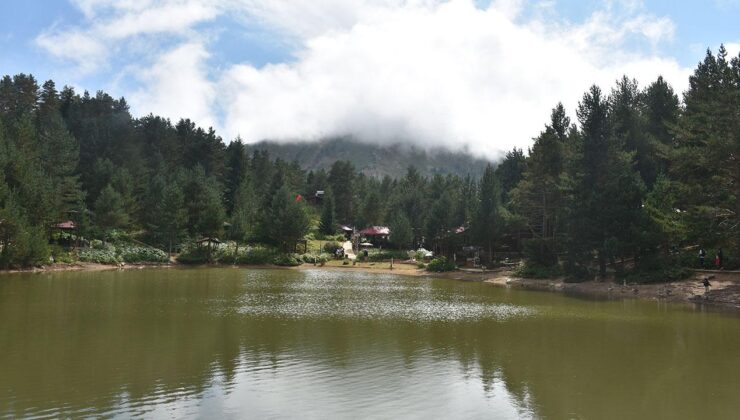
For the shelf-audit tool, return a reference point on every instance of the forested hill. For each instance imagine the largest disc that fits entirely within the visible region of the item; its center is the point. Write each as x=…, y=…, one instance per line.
x=374, y=160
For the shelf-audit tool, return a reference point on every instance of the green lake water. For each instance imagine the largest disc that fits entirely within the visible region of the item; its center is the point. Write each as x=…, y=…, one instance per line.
x=236, y=343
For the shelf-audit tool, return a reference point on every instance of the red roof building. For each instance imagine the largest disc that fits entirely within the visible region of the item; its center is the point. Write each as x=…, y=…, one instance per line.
x=68, y=225
x=376, y=231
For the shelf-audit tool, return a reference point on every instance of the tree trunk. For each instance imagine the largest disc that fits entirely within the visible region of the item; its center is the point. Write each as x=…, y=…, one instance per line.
x=602, y=263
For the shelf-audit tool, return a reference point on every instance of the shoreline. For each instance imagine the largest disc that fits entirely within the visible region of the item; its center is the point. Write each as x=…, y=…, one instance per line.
x=725, y=290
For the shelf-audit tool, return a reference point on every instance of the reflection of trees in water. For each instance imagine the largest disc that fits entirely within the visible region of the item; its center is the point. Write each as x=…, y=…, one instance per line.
x=97, y=338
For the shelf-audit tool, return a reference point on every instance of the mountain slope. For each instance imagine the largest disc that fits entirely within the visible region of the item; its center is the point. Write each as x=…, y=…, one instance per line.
x=374, y=160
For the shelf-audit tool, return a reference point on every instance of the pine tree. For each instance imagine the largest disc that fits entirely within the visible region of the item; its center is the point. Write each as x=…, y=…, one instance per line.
x=286, y=221
x=402, y=235
x=244, y=215
x=488, y=219
x=327, y=224
x=341, y=178
x=538, y=196
x=110, y=212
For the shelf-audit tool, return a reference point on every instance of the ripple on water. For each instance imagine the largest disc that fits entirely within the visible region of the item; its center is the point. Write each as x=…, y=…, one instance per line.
x=319, y=294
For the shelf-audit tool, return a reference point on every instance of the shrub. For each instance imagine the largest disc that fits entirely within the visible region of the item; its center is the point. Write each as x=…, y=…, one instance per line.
x=331, y=247
x=441, y=265
x=421, y=265
x=534, y=271
x=384, y=255
x=288, y=260
x=257, y=255
x=666, y=274
x=193, y=255
x=61, y=255
x=100, y=256
x=139, y=254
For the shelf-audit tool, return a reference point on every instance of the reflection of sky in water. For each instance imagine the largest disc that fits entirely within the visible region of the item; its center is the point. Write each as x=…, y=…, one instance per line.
x=377, y=387
x=234, y=343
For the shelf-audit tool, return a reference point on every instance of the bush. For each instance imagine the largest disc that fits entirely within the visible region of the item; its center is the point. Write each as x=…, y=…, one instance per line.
x=421, y=265
x=139, y=254
x=110, y=254
x=667, y=274
x=257, y=255
x=61, y=255
x=441, y=265
x=534, y=271
x=385, y=255
x=288, y=260
x=193, y=255
x=331, y=247
x=100, y=256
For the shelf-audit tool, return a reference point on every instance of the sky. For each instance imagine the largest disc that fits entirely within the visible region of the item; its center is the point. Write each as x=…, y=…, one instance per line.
x=477, y=75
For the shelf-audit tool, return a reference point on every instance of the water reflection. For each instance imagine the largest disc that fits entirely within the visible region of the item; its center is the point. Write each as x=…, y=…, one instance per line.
x=276, y=343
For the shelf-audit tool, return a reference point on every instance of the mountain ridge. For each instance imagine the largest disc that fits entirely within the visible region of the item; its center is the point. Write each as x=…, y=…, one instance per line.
x=374, y=160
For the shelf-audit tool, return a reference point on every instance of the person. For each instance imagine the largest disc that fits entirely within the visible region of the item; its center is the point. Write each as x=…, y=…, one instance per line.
x=702, y=254
x=721, y=256
x=717, y=261
x=706, y=284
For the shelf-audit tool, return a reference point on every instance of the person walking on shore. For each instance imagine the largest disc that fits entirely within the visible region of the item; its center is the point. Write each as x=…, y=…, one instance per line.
x=706, y=284
x=721, y=256
x=717, y=261
x=702, y=255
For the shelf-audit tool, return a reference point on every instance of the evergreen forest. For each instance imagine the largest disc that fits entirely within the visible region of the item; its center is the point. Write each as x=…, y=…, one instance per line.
x=633, y=182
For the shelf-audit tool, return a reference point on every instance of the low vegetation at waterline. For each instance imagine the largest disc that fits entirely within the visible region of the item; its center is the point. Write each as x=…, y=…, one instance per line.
x=634, y=189
x=441, y=265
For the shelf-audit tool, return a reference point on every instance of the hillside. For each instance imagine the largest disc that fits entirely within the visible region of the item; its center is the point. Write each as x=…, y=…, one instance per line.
x=374, y=160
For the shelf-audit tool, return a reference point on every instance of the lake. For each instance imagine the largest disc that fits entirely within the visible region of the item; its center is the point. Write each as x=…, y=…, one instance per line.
x=237, y=343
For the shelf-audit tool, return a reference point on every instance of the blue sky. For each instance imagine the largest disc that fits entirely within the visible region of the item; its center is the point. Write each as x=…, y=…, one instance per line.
x=290, y=69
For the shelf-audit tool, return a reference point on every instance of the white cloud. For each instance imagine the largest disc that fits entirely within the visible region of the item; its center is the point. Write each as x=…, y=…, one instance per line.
x=733, y=49
x=87, y=52
x=177, y=86
x=113, y=22
x=434, y=72
x=446, y=74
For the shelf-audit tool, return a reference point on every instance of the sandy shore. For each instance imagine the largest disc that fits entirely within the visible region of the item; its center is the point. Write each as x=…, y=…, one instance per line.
x=725, y=290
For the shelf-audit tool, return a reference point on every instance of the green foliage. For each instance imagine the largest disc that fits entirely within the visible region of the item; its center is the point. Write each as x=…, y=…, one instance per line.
x=257, y=255
x=109, y=210
x=288, y=260
x=534, y=271
x=100, y=256
x=441, y=265
x=541, y=252
x=401, y=234
x=139, y=254
x=193, y=255
x=331, y=247
x=658, y=275
x=386, y=255
x=286, y=220
x=319, y=259
x=115, y=254
x=328, y=224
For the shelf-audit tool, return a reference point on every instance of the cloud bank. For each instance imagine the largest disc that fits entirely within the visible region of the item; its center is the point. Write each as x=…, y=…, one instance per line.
x=431, y=72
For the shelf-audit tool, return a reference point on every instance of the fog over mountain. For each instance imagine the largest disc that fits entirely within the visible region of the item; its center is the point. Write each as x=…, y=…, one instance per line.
x=460, y=74
x=375, y=160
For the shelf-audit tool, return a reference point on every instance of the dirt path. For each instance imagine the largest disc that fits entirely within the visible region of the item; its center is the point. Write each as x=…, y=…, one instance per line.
x=348, y=251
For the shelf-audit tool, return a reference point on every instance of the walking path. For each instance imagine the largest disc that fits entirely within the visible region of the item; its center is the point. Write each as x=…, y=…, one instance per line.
x=348, y=251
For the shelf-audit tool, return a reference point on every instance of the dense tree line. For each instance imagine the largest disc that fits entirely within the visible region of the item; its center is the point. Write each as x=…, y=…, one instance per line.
x=638, y=173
